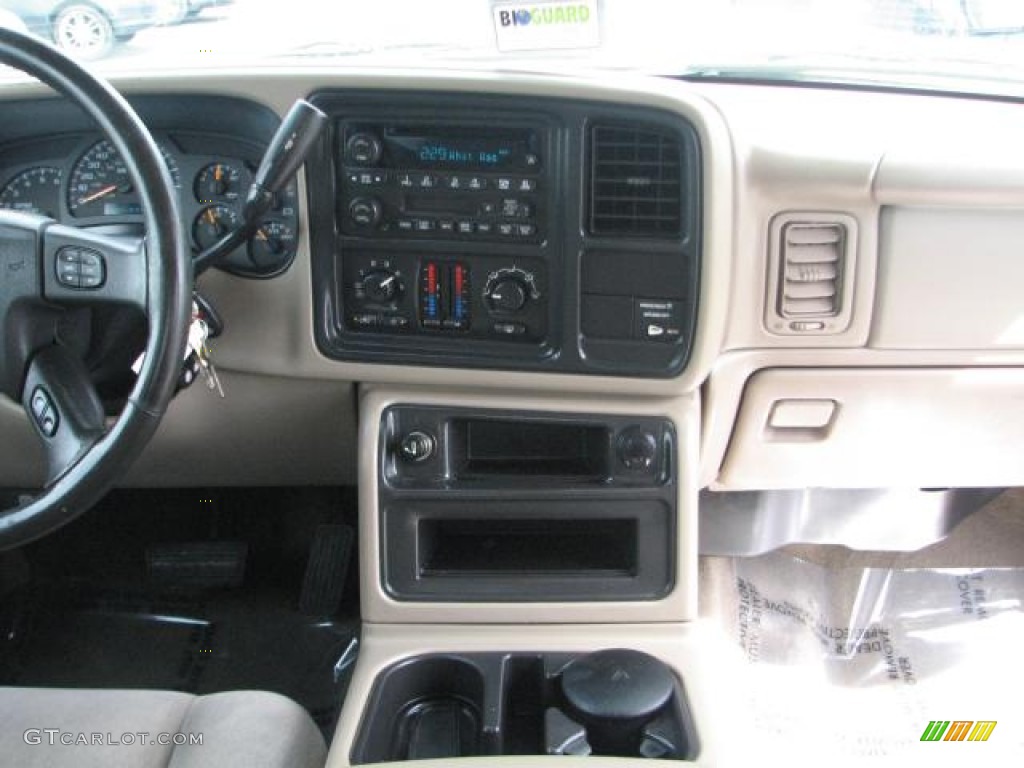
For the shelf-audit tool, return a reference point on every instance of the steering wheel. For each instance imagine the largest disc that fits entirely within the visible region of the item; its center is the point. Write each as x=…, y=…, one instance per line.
x=47, y=268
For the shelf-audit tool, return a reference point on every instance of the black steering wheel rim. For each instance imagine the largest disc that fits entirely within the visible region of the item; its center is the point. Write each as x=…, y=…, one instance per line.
x=168, y=292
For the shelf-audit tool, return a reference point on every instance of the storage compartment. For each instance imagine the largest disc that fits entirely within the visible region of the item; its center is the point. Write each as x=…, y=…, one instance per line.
x=615, y=702
x=878, y=428
x=542, y=549
x=422, y=448
x=528, y=547
x=489, y=447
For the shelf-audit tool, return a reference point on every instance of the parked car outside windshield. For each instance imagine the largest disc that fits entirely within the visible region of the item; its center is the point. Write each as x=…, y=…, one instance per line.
x=85, y=29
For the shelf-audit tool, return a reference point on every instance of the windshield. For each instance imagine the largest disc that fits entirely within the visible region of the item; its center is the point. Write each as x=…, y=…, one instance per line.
x=946, y=45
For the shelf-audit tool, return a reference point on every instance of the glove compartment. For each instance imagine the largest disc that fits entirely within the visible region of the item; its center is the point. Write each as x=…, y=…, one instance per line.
x=873, y=428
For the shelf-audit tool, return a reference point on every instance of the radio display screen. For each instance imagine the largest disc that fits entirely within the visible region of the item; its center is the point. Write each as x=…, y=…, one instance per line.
x=459, y=149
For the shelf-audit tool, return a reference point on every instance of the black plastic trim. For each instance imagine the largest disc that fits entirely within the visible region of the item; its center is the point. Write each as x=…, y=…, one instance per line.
x=564, y=348
x=588, y=529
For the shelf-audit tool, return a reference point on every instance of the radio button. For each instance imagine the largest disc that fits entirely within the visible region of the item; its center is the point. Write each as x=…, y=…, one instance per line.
x=365, y=320
x=396, y=321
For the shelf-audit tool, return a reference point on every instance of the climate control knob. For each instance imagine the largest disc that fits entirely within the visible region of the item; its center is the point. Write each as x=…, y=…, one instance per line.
x=365, y=212
x=507, y=295
x=508, y=290
x=381, y=286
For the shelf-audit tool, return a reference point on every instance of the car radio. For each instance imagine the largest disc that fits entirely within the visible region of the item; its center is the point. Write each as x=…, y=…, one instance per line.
x=455, y=182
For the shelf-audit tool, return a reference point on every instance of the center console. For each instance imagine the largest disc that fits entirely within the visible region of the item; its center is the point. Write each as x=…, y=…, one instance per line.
x=482, y=505
x=533, y=235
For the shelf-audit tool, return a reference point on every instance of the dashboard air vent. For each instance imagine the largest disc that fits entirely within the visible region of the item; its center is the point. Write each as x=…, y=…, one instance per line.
x=812, y=264
x=811, y=267
x=635, y=181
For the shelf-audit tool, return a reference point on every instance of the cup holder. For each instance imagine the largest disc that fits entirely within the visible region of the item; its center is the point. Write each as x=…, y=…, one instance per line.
x=615, y=702
x=424, y=708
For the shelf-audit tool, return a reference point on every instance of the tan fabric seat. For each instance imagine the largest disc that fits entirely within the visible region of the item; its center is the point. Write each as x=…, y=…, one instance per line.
x=124, y=728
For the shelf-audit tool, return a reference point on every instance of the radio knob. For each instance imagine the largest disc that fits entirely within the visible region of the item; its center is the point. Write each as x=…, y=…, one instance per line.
x=507, y=294
x=365, y=212
x=381, y=286
x=363, y=149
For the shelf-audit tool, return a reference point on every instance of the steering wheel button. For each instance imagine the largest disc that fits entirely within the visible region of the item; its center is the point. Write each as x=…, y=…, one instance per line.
x=91, y=258
x=40, y=403
x=69, y=256
x=44, y=413
x=48, y=425
x=69, y=275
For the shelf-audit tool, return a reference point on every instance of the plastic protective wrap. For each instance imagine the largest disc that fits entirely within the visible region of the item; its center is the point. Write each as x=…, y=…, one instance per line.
x=855, y=665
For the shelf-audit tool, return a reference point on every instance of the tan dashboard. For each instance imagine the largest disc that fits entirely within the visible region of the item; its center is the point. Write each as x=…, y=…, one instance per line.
x=906, y=330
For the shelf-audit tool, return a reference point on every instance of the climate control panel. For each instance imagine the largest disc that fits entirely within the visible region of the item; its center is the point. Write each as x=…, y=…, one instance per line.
x=461, y=295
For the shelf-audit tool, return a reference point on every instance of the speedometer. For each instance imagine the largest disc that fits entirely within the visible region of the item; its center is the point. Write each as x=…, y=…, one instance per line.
x=100, y=184
x=36, y=190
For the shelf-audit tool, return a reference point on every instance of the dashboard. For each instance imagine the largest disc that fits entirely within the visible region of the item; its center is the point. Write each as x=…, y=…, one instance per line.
x=863, y=368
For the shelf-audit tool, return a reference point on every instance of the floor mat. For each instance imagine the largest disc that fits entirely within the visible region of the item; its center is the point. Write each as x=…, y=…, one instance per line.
x=191, y=591
x=222, y=643
x=856, y=665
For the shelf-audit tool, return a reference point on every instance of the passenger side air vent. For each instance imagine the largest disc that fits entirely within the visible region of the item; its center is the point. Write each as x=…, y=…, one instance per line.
x=635, y=181
x=811, y=261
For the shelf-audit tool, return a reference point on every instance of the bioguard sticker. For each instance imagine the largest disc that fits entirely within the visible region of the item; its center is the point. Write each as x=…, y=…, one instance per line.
x=541, y=26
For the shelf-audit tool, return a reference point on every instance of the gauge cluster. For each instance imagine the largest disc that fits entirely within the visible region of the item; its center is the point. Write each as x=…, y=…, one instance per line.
x=90, y=186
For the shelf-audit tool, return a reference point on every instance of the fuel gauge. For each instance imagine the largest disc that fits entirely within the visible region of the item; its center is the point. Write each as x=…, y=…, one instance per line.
x=212, y=223
x=218, y=182
x=273, y=245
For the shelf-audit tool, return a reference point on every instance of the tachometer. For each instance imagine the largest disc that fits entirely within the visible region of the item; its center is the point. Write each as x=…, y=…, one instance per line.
x=36, y=190
x=100, y=184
